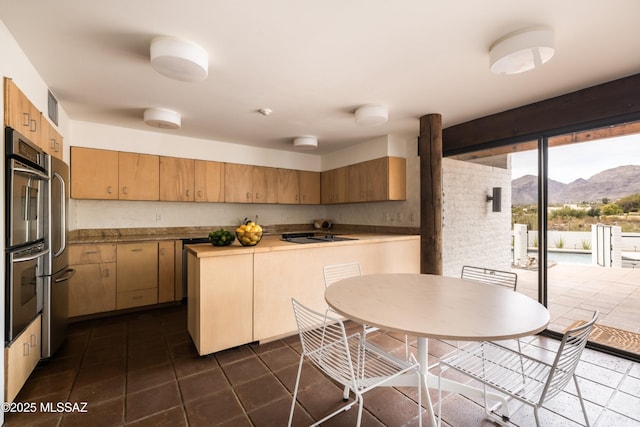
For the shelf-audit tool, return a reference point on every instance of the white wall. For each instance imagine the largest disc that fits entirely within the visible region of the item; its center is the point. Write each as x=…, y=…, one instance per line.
x=472, y=234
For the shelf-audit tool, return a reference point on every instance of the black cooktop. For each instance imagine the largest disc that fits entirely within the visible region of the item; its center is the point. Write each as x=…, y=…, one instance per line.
x=312, y=237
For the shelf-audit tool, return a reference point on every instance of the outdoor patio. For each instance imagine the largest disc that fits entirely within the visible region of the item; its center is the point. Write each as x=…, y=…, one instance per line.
x=576, y=290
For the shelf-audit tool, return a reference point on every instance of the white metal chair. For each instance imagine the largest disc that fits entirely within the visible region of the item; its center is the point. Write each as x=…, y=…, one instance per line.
x=348, y=360
x=519, y=376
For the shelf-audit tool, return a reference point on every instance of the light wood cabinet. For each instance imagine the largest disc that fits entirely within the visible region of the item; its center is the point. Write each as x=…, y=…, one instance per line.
x=92, y=289
x=177, y=179
x=309, y=187
x=137, y=176
x=276, y=281
x=52, y=140
x=20, y=113
x=375, y=180
x=137, y=274
x=20, y=358
x=209, y=181
x=220, y=301
x=288, y=186
x=265, y=184
x=238, y=183
x=94, y=173
x=166, y=271
x=333, y=186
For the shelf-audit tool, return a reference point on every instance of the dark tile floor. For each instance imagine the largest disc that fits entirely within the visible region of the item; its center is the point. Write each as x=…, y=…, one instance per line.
x=142, y=369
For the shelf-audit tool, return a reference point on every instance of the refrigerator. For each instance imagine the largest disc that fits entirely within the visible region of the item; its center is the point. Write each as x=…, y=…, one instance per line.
x=55, y=304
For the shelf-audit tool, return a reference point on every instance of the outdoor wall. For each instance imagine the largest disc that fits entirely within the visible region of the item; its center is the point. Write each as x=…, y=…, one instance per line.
x=472, y=234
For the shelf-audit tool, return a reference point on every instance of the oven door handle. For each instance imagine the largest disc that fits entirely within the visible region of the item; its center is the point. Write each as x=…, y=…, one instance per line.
x=31, y=256
x=30, y=172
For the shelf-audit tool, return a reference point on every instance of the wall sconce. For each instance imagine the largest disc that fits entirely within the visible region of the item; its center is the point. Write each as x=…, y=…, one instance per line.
x=496, y=198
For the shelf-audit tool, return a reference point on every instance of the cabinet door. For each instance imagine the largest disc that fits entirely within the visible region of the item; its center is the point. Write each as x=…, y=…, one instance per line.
x=166, y=271
x=309, y=187
x=333, y=186
x=21, y=357
x=265, y=184
x=94, y=174
x=357, y=179
x=137, y=266
x=238, y=183
x=209, y=181
x=288, y=186
x=177, y=177
x=138, y=175
x=92, y=289
x=51, y=139
x=20, y=113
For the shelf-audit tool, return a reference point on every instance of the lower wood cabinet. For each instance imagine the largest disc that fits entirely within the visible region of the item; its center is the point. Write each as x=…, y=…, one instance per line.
x=113, y=276
x=20, y=358
x=93, y=288
x=220, y=301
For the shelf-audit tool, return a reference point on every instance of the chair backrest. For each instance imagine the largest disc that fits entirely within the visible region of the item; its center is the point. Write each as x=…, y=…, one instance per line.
x=324, y=342
x=335, y=272
x=490, y=276
x=566, y=360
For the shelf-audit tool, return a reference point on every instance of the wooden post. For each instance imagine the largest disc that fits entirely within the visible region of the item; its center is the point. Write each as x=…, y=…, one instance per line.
x=430, y=152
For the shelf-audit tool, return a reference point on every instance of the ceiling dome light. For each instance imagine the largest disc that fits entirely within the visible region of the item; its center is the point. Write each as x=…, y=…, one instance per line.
x=162, y=118
x=179, y=59
x=306, y=142
x=371, y=114
x=522, y=50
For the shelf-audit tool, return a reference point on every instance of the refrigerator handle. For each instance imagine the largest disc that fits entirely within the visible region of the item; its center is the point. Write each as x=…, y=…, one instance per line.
x=69, y=275
x=63, y=215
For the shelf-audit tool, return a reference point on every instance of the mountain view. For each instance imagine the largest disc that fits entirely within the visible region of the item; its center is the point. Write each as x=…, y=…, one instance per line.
x=612, y=184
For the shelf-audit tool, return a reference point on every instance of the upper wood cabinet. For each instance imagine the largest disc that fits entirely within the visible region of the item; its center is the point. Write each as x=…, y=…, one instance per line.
x=265, y=184
x=250, y=184
x=51, y=139
x=238, y=183
x=177, y=179
x=94, y=173
x=333, y=186
x=20, y=113
x=112, y=175
x=209, y=181
x=371, y=181
x=138, y=176
x=309, y=187
x=288, y=186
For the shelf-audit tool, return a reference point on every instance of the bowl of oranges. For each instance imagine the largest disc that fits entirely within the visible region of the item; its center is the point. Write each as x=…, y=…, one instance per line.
x=249, y=233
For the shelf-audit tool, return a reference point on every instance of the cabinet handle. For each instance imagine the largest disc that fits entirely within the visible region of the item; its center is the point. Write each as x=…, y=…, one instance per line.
x=26, y=119
x=188, y=193
x=52, y=144
x=136, y=250
x=33, y=128
x=137, y=297
x=89, y=252
x=26, y=349
x=125, y=190
x=248, y=196
x=106, y=273
x=109, y=189
x=34, y=340
x=199, y=194
x=162, y=251
x=57, y=147
x=257, y=196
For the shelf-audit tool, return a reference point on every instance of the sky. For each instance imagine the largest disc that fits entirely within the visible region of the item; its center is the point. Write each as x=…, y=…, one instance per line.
x=570, y=162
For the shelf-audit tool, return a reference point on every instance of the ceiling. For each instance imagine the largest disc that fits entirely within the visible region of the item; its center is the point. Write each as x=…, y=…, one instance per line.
x=313, y=63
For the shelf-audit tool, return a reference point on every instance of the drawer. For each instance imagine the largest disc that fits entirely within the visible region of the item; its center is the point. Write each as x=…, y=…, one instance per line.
x=21, y=358
x=137, y=298
x=92, y=254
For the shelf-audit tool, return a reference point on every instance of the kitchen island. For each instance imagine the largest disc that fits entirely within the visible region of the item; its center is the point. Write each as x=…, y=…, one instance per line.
x=237, y=294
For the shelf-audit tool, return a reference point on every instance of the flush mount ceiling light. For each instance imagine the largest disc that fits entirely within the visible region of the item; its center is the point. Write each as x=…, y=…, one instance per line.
x=371, y=114
x=179, y=59
x=306, y=142
x=522, y=50
x=162, y=118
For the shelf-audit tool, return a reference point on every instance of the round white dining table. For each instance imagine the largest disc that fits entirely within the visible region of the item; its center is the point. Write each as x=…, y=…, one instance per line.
x=433, y=306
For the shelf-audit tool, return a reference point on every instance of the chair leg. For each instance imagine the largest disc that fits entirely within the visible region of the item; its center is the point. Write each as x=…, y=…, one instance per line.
x=584, y=410
x=295, y=391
